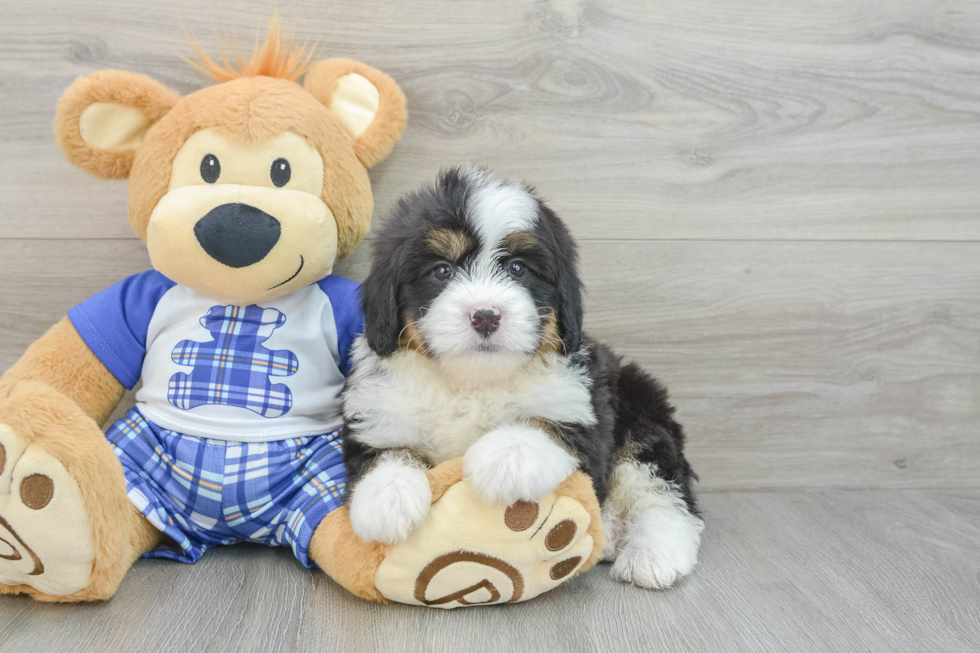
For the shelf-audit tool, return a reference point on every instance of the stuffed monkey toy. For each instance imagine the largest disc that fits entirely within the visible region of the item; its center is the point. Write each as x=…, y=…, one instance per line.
x=246, y=193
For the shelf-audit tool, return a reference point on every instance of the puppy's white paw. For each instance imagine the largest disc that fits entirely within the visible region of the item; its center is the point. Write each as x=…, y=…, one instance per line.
x=659, y=547
x=516, y=463
x=391, y=500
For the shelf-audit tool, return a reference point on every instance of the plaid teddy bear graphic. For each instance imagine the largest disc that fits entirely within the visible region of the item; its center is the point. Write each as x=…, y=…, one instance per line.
x=234, y=368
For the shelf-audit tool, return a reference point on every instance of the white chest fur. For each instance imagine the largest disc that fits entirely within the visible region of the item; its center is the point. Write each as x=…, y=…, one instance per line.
x=409, y=400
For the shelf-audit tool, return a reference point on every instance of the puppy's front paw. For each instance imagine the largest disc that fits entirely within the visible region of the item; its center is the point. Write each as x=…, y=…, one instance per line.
x=391, y=500
x=516, y=463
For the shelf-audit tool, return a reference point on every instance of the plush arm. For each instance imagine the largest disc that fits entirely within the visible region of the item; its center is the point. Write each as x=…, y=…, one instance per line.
x=62, y=360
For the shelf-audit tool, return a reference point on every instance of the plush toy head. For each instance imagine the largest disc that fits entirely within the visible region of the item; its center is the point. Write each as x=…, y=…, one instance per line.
x=249, y=189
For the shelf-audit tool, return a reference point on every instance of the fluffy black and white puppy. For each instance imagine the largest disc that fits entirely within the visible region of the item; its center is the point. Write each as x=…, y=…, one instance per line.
x=474, y=347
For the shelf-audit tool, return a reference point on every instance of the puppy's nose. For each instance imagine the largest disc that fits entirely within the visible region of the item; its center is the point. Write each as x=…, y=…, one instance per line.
x=485, y=320
x=237, y=235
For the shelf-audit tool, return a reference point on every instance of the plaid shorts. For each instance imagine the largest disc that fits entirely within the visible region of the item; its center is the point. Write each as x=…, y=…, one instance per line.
x=203, y=492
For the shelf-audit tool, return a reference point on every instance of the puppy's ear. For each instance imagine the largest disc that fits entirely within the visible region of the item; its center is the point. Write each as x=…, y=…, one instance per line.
x=379, y=296
x=570, y=310
x=102, y=119
x=568, y=284
x=369, y=104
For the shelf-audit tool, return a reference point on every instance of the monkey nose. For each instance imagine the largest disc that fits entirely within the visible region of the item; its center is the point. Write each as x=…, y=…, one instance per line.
x=237, y=235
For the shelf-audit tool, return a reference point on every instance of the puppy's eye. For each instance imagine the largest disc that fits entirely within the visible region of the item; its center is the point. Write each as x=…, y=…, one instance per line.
x=210, y=168
x=443, y=272
x=516, y=268
x=280, y=172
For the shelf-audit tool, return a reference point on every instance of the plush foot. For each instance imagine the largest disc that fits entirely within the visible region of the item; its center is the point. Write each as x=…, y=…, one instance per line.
x=67, y=530
x=468, y=551
x=45, y=538
x=471, y=552
x=390, y=501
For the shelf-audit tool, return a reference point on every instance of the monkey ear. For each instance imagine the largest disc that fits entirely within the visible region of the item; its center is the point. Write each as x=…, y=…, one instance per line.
x=102, y=118
x=368, y=102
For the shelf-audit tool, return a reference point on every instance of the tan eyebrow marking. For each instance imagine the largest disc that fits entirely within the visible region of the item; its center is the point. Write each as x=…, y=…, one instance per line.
x=449, y=243
x=520, y=241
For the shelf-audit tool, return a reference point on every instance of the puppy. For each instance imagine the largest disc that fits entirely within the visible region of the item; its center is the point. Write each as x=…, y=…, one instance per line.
x=473, y=347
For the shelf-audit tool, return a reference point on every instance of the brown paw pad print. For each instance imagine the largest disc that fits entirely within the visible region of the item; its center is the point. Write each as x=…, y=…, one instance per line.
x=471, y=552
x=36, y=492
x=483, y=591
x=494, y=580
x=524, y=514
x=46, y=536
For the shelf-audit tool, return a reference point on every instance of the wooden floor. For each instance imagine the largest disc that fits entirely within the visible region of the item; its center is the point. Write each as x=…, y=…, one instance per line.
x=778, y=205
x=858, y=570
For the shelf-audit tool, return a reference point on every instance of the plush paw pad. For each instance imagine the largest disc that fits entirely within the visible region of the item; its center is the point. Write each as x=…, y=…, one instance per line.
x=45, y=538
x=498, y=554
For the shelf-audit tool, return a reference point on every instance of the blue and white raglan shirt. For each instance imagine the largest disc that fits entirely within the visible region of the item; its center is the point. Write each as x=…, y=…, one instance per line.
x=254, y=373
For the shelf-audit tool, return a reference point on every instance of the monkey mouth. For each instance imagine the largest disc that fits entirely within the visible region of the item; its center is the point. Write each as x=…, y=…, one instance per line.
x=283, y=283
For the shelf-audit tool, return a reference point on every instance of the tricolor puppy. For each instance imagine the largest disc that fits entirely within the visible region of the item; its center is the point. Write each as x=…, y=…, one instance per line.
x=473, y=347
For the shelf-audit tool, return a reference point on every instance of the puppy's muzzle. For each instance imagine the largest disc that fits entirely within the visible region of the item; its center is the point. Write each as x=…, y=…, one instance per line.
x=485, y=320
x=237, y=235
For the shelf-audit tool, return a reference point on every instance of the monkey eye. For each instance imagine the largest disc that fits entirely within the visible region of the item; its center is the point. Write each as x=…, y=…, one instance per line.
x=210, y=168
x=280, y=172
x=443, y=272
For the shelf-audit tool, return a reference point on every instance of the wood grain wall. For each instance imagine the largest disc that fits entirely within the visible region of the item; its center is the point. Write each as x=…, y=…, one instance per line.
x=778, y=203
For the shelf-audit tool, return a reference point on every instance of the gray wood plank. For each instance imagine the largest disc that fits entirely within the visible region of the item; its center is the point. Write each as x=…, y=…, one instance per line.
x=814, y=364
x=791, y=571
x=805, y=364
x=653, y=119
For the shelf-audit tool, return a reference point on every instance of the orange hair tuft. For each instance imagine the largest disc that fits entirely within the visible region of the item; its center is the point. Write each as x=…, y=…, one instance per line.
x=276, y=57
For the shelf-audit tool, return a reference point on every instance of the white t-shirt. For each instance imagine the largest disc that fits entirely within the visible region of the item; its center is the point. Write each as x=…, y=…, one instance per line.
x=242, y=373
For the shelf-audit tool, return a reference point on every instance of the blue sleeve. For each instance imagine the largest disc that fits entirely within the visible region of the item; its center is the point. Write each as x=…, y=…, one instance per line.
x=114, y=322
x=345, y=298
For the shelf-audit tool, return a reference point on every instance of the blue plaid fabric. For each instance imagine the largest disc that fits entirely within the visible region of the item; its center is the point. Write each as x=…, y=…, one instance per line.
x=202, y=492
x=234, y=368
